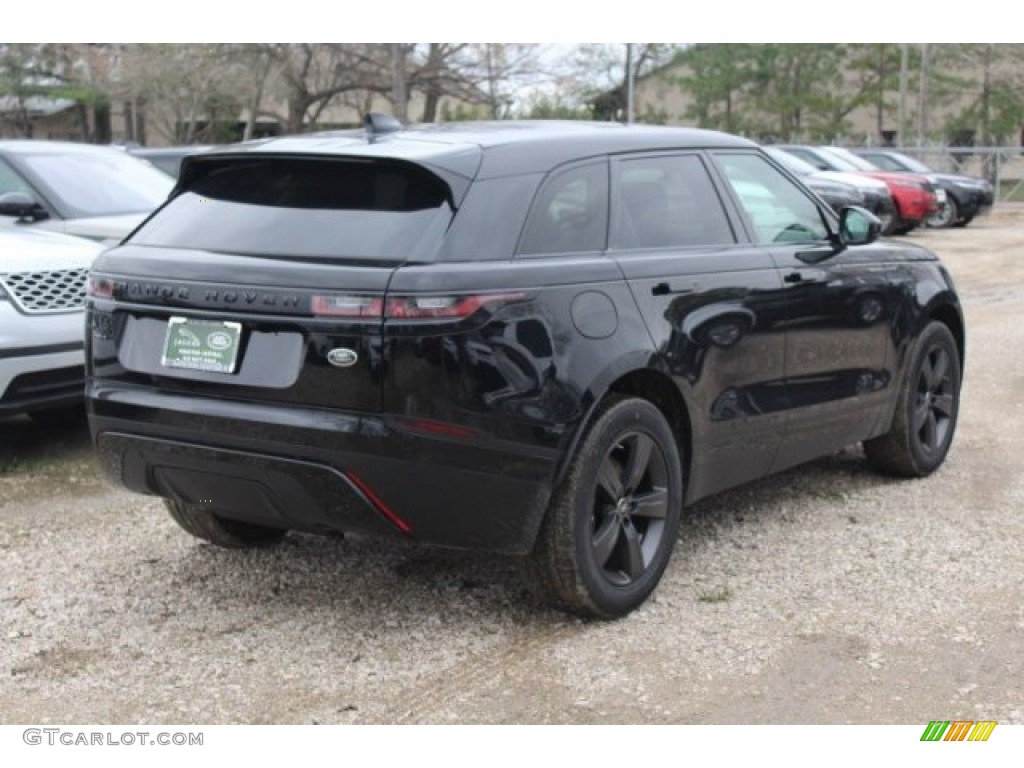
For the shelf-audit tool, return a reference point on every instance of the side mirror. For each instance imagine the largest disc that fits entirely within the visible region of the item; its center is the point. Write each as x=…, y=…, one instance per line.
x=21, y=205
x=858, y=226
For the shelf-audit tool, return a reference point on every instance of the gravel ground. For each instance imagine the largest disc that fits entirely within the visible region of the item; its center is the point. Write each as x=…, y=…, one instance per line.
x=826, y=594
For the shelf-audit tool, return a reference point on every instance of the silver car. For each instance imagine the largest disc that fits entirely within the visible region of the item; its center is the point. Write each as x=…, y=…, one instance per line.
x=42, y=291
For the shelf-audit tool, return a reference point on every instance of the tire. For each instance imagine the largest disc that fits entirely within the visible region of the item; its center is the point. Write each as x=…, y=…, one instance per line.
x=963, y=222
x=946, y=216
x=890, y=222
x=926, y=414
x=612, y=524
x=232, y=534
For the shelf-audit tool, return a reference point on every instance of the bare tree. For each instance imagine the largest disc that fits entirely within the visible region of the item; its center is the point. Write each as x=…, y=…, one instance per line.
x=599, y=77
x=313, y=75
x=502, y=70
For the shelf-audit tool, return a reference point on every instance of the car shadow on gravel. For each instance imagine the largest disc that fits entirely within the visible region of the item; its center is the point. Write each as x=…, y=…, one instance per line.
x=829, y=481
x=412, y=585
x=46, y=459
x=406, y=584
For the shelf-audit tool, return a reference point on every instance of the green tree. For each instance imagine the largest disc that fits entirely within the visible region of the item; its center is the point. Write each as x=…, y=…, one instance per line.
x=991, y=77
x=794, y=89
x=871, y=77
x=718, y=77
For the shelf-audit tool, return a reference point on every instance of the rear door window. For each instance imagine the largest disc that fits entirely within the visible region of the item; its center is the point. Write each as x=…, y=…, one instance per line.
x=308, y=208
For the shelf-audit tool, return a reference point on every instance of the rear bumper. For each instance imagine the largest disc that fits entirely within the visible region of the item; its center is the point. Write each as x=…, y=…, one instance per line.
x=973, y=203
x=879, y=203
x=320, y=471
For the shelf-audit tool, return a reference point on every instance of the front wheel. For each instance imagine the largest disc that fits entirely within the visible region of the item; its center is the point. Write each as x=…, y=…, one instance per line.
x=947, y=215
x=611, y=526
x=232, y=534
x=925, y=419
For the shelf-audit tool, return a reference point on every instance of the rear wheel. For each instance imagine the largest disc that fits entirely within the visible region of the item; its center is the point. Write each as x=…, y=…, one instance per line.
x=925, y=419
x=233, y=534
x=963, y=222
x=611, y=526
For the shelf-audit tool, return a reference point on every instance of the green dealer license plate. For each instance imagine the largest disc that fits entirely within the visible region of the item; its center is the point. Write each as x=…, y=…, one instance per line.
x=199, y=345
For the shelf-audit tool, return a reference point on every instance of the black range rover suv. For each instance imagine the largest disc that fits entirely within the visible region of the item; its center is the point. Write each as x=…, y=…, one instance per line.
x=532, y=338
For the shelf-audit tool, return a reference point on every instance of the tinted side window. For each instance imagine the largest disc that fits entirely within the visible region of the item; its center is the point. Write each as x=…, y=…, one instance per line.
x=779, y=210
x=668, y=202
x=570, y=214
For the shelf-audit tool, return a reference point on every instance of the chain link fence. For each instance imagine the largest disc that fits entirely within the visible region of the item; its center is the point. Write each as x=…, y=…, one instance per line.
x=1003, y=166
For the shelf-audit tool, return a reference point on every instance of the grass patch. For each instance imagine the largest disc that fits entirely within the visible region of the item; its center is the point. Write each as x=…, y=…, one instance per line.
x=830, y=495
x=17, y=465
x=719, y=595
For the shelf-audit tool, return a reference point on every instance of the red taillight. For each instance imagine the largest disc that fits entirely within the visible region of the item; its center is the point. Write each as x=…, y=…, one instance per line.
x=378, y=503
x=407, y=307
x=452, y=307
x=347, y=305
x=99, y=287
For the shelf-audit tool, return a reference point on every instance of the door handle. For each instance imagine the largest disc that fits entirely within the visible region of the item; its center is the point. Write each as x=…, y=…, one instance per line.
x=664, y=289
x=804, y=278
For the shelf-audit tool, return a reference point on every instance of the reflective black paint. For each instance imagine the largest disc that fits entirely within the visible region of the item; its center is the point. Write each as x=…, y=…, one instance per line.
x=463, y=427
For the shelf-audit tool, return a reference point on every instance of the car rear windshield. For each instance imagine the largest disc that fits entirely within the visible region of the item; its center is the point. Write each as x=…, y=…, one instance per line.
x=312, y=208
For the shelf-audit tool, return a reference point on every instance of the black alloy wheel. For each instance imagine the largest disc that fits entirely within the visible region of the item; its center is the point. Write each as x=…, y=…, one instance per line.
x=629, y=509
x=926, y=414
x=934, y=403
x=613, y=521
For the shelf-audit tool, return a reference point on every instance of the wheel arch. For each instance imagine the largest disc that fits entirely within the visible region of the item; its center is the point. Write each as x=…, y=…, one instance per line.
x=950, y=316
x=633, y=379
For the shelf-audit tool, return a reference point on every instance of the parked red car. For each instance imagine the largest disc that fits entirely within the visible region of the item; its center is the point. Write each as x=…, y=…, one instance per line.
x=916, y=198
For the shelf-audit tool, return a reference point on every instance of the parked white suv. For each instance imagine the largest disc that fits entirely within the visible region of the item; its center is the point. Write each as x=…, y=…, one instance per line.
x=42, y=290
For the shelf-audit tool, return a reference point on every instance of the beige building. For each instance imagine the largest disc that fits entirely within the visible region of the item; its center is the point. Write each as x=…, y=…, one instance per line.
x=953, y=89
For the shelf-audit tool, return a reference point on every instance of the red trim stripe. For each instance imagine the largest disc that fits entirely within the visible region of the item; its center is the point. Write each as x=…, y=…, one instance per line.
x=378, y=503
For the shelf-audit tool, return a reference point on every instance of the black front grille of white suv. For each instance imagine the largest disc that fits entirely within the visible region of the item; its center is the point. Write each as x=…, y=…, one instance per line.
x=61, y=290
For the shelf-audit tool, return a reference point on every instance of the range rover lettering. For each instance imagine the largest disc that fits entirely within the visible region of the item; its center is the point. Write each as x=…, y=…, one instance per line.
x=535, y=338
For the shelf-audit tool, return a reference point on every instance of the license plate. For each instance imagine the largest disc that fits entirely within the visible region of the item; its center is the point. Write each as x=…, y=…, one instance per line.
x=200, y=345
x=940, y=195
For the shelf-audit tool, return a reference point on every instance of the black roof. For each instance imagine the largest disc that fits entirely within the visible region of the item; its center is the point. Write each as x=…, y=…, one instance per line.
x=491, y=149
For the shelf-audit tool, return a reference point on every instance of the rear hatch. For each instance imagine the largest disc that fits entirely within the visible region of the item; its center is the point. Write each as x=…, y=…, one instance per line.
x=264, y=278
